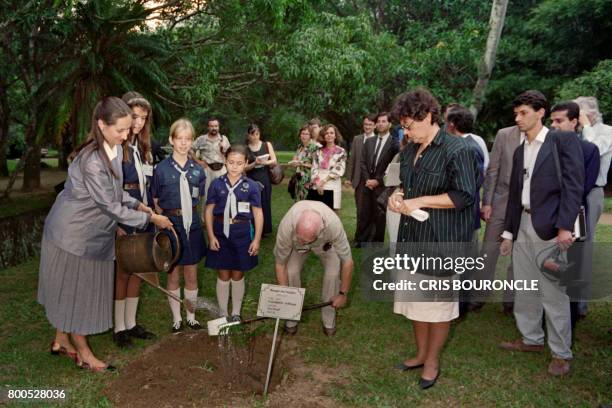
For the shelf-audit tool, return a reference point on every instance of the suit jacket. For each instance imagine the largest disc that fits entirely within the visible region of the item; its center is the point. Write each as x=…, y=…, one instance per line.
x=388, y=151
x=553, y=206
x=497, y=177
x=84, y=217
x=354, y=161
x=591, y=167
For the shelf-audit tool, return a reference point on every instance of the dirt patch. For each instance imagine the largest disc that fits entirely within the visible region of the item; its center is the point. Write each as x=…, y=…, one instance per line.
x=194, y=369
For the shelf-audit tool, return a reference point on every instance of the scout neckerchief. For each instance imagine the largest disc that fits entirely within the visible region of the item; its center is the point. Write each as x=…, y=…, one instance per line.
x=231, y=206
x=186, y=203
x=141, y=178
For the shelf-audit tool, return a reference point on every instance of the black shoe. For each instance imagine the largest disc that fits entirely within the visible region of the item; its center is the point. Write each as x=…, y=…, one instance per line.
x=139, y=332
x=403, y=367
x=425, y=384
x=235, y=318
x=291, y=330
x=122, y=339
x=177, y=327
x=508, y=308
x=194, y=325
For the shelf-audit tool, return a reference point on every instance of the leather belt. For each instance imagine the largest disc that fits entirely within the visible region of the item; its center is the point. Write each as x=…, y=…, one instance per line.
x=177, y=211
x=131, y=186
x=232, y=220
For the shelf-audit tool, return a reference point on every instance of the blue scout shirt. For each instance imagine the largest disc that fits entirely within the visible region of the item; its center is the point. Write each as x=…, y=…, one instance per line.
x=166, y=188
x=247, y=192
x=130, y=176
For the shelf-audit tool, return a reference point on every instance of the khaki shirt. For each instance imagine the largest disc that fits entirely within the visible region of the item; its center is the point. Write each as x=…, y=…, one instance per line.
x=211, y=150
x=331, y=233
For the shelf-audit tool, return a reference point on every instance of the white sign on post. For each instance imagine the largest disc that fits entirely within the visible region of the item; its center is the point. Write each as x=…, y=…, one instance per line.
x=280, y=302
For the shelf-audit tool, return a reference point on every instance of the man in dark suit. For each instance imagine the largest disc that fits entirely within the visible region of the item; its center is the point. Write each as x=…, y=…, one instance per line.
x=353, y=173
x=565, y=116
x=376, y=156
x=540, y=215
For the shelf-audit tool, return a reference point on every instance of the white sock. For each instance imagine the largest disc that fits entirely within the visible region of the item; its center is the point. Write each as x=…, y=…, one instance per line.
x=223, y=292
x=192, y=296
x=131, y=305
x=119, y=315
x=237, y=295
x=175, y=305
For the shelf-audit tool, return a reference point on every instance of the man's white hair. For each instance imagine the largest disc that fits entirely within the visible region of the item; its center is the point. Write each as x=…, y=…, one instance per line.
x=590, y=106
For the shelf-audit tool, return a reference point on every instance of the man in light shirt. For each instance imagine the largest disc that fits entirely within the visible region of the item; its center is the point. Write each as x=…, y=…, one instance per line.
x=540, y=216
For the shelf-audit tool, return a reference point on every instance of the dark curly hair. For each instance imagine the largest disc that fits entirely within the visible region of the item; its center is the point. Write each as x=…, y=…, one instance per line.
x=416, y=104
x=533, y=98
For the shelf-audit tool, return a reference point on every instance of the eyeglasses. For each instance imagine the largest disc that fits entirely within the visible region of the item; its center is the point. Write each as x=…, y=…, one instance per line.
x=408, y=127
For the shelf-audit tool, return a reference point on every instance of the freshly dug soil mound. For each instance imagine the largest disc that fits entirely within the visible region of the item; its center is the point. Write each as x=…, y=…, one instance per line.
x=197, y=370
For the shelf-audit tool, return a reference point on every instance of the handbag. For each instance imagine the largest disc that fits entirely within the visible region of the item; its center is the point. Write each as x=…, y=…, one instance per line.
x=292, y=187
x=275, y=171
x=579, y=232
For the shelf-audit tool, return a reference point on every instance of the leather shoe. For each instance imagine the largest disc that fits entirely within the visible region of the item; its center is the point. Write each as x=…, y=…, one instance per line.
x=425, y=384
x=558, y=367
x=518, y=345
x=140, y=332
x=329, y=332
x=291, y=330
x=508, y=308
x=403, y=367
x=122, y=339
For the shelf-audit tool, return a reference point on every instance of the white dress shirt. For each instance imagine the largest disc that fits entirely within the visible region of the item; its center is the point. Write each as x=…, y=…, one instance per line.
x=530, y=154
x=483, y=146
x=381, y=140
x=601, y=136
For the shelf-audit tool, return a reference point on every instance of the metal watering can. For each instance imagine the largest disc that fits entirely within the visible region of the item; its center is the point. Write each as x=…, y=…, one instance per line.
x=147, y=252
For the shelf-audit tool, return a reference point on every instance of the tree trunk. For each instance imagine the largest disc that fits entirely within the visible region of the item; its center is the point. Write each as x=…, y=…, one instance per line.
x=31, y=168
x=5, y=114
x=65, y=147
x=496, y=25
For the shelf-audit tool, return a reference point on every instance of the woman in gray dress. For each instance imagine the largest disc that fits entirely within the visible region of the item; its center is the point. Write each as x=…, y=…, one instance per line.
x=78, y=247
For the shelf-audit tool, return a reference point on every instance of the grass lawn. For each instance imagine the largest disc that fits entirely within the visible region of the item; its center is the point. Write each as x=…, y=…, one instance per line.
x=370, y=340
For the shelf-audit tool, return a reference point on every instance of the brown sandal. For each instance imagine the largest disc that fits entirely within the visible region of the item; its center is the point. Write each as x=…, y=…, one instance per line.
x=86, y=366
x=62, y=351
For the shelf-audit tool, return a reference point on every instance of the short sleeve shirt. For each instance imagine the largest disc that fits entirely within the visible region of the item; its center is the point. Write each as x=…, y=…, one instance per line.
x=247, y=192
x=211, y=150
x=166, y=186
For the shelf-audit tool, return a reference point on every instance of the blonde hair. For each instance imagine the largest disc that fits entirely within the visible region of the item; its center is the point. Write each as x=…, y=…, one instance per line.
x=180, y=125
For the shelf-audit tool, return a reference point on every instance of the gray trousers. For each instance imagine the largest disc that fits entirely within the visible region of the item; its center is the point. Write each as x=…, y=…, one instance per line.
x=550, y=298
x=331, y=280
x=595, y=206
x=210, y=176
x=490, y=248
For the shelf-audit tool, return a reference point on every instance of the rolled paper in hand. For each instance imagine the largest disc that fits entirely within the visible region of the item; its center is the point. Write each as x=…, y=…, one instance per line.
x=419, y=215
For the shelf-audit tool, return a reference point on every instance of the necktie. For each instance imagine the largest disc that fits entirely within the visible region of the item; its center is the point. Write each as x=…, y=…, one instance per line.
x=141, y=178
x=231, y=209
x=376, y=151
x=186, y=203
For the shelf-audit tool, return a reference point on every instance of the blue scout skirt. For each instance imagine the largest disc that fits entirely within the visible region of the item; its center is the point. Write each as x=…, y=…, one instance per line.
x=233, y=253
x=194, y=249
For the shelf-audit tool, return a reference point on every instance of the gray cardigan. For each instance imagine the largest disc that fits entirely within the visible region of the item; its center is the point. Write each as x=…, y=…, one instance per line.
x=84, y=217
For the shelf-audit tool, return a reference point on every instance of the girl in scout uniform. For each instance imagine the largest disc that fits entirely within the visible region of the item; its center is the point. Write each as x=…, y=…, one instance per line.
x=137, y=172
x=178, y=183
x=233, y=202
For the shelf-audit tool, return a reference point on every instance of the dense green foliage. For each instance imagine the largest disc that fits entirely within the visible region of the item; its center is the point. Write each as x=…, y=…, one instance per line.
x=280, y=62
